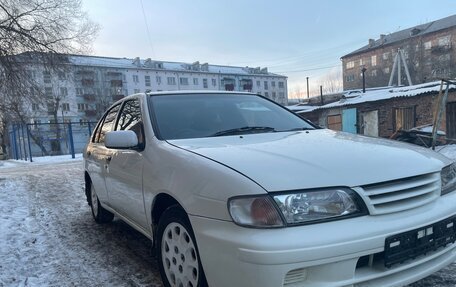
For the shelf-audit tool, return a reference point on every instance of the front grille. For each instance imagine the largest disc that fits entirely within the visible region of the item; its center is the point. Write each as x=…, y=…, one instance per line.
x=402, y=194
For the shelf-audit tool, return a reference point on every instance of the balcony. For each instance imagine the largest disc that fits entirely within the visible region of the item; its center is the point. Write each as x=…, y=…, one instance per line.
x=87, y=82
x=228, y=84
x=246, y=84
x=116, y=83
x=89, y=97
x=90, y=113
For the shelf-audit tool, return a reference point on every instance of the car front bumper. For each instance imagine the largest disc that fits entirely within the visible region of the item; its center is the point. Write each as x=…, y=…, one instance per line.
x=324, y=254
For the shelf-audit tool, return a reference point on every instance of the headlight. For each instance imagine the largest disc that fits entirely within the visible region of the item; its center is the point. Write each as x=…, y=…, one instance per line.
x=318, y=205
x=448, y=176
x=255, y=212
x=296, y=208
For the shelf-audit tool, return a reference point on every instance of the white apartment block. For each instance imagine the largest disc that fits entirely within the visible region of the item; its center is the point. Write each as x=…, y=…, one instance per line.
x=88, y=84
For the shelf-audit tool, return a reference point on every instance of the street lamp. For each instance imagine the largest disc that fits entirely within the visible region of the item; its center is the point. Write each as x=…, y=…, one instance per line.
x=363, y=70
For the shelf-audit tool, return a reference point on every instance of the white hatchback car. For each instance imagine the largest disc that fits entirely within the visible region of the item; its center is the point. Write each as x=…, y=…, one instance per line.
x=235, y=190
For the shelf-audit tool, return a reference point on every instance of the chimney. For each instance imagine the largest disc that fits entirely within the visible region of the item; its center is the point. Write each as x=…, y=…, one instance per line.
x=382, y=38
x=371, y=43
x=137, y=62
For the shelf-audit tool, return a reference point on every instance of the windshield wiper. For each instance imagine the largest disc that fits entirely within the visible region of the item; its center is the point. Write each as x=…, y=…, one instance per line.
x=297, y=129
x=243, y=130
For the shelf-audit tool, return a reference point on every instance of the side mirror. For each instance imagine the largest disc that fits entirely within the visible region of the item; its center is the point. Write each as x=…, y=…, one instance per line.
x=121, y=139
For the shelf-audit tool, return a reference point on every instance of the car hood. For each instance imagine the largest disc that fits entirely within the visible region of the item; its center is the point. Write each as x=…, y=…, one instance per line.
x=317, y=158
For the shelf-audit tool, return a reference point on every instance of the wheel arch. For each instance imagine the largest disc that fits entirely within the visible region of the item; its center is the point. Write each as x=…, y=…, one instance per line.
x=161, y=202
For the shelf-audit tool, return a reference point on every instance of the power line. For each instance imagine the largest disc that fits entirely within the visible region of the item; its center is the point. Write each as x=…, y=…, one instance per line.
x=147, y=29
x=306, y=70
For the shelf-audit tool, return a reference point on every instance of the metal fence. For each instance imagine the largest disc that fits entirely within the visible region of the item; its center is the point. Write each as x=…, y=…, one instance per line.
x=48, y=139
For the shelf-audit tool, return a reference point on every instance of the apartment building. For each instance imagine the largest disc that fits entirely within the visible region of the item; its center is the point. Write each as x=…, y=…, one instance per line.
x=87, y=85
x=428, y=51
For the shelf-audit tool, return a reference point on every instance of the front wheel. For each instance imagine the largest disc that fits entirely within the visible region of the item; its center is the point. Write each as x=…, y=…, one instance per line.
x=178, y=257
x=100, y=214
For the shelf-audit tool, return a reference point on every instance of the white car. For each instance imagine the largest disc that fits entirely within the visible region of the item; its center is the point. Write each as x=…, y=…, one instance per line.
x=235, y=190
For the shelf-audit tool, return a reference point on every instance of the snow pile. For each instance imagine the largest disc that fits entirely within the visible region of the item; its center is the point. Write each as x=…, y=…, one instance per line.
x=39, y=160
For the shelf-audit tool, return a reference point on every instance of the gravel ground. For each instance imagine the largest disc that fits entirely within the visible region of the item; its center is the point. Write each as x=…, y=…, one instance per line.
x=48, y=236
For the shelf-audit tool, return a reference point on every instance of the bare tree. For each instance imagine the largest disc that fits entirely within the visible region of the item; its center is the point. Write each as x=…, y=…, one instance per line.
x=332, y=82
x=38, y=32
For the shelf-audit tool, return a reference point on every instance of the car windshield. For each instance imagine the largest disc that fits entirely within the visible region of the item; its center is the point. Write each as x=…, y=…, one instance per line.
x=184, y=116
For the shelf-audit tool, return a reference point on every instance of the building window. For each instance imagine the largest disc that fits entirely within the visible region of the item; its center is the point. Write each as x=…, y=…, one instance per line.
x=273, y=95
x=135, y=78
x=444, y=41
x=48, y=92
x=195, y=81
x=350, y=78
x=35, y=107
x=281, y=85
x=427, y=45
x=386, y=70
x=205, y=83
x=350, y=64
x=385, y=56
x=63, y=92
x=404, y=118
x=183, y=81
x=82, y=107
x=258, y=83
x=265, y=85
x=281, y=95
x=266, y=94
x=273, y=84
x=158, y=79
x=65, y=107
x=374, y=73
x=147, y=81
x=214, y=82
x=47, y=77
x=334, y=122
x=171, y=80
x=374, y=60
x=62, y=76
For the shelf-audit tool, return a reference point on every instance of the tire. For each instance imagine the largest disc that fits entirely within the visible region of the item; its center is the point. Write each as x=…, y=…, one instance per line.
x=178, y=257
x=100, y=214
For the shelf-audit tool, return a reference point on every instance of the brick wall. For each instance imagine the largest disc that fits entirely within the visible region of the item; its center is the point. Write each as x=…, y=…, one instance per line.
x=425, y=65
x=424, y=111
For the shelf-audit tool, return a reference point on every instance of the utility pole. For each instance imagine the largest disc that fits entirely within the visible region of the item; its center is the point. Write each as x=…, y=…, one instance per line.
x=321, y=95
x=307, y=78
x=363, y=70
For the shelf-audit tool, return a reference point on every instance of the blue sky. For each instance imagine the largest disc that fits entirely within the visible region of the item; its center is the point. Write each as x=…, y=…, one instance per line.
x=298, y=39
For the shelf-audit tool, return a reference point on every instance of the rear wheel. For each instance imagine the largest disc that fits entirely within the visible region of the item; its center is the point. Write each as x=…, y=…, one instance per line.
x=178, y=256
x=100, y=214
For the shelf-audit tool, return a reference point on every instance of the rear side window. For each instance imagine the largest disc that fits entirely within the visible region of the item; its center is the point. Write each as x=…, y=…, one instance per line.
x=130, y=119
x=108, y=123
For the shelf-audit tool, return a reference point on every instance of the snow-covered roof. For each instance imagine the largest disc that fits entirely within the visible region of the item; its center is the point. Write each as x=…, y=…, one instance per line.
x=300, y=108
x=126, y=63
x=384, y=94
x=415, y=31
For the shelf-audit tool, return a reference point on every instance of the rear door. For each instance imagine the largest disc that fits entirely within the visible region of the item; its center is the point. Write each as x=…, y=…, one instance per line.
x=125, y=172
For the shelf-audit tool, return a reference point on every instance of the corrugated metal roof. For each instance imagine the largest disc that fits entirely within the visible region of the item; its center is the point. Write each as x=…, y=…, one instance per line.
x=384, y=94
x=423, y=29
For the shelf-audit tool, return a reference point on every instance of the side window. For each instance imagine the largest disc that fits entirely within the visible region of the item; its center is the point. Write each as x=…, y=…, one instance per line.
x=130, y=119
x=108, y=123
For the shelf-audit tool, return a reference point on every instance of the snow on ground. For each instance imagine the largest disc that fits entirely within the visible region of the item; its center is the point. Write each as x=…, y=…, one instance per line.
x=48, y=236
